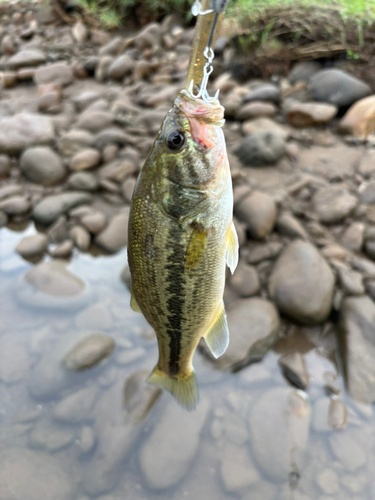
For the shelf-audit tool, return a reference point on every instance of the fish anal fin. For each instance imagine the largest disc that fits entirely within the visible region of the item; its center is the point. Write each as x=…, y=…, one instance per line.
x=217, y=337
x=232, y=248
x=134, y=304
x=196, y=247
x=183, y=387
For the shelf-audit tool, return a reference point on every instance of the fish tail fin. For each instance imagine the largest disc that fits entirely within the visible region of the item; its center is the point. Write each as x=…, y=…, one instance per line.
x=183, y=388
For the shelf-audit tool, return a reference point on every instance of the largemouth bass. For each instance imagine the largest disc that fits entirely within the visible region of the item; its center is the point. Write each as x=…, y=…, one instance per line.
x=181, y=237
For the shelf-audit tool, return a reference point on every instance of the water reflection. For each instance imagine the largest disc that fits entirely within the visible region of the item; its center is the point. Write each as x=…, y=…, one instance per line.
x=75, y=435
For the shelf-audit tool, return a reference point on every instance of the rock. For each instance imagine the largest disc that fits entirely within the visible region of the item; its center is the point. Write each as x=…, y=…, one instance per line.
x=162, y=470
x=366, y=164
x=59, y=73
x=250, y=343
x=14, y=360
x=87, y=440
x=50, y=437
x=96, y=316
x=87, y=158
x=294, y=369
x=337, y=87
x=80, y=237
x=115, y=235
x=367, y=192
x=4, y=166
x=352, y=238
x=351, y=281
x=357, y=343
x=113, y=47
x=27, y=474
x=84, y=100
x=24, y=130
x=63, y=250
x=42, y=166
x=3, y=219
x=287, y=224
x=267, y=92
x=337, y=414
x=29, y=57
x=308, y=114
x=121, y=66
x=245, y=280
x=359, y=120
x=237, y=470
x=302, y=284
x=128, y=188
x=77, y=407
x=53, y=278
x=32, y=246
x=302, y=72
x=101, y=70
x=264, y=252
x=50, y=103
x=334, y=163
x=347, y=450
x=328, y=481
x=370, y=249
x=8, y=79
x=261, y=148
x=83, y=181
x=333, y=203
x=279, y=426
x=366, y=267
x=10, y=190
x=256, y=110
x=94, y=121
x=79, y=32
x=15, y=205
x=149, y=36
x=91, y=351
x=50, y=208
x=250, y=127
x=94, y=223
x=258, y=211
x=73, y=141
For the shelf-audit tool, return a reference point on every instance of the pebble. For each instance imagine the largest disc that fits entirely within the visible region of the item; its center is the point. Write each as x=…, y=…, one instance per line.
x=112, y=47
x=72, y=142
x=101, y=70
x=337, y=414
x=127, y=188
x=352, y=238
x=85, y=99
x=94, y=223
x=77, y=407
x=267, y=92
x=250, y=127
x=366, y=164
x=302, y=284
x=264, y=252
x=52, y=207
x=333, y=203
x=306, y=114
x=42, y=166
x=347, y=450
x=163, y=470
x=96, y=316
x=256, y=110
x=32, y=246
x=287, y=224
x=258, y=211
x=302, y=72
x=53, y=278
x=351, y=281
x=115, y=235
x=359, y=120
x=87, y=440
x=261, y=148
x=121, y=66
x=87, y=158
x=59, y=74
x=94, y=121
x=15, y=205
x=80, y=237
x=91, y=351
x=62, y=251
x=294, y=369
x=50, y=437
x=24, y=130
x=367, y=192
x=245, y=280
x=79, y=32
x=25, y=58
x=83, y=181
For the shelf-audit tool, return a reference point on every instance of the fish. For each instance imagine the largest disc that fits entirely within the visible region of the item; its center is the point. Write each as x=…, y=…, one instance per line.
x=181, y=237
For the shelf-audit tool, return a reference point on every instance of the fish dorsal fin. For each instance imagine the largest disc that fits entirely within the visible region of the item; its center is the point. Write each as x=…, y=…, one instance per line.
x=217, y=337
x=183, y=387
x=134, y=304
x=232, y=248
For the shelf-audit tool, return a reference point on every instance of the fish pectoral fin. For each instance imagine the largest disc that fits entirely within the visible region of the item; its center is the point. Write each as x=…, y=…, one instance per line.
x=217, y=337
x=196, y=247
x=134, y=304
x=232, y=248
x=183, y=388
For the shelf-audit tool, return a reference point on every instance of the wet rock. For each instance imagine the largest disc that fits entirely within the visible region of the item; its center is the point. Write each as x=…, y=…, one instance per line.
x=294, y=369
x=328, y=481
x=279, y=426
x=161, y=471
x=4, y=166
x=302, y=284
x=59, y=73
x=51, y=207
x=306, y=114
x=256, y=110
x=351, y=281
x=42, y=165
x=302, y=72
x=83, y=181
x=53, y=278
x=3, y=219
x=94, y=121
x=62, y=251
x=94, y=223
x=14, y=360
x=26, y=474
x=79, y=32
x=245, y=280
x=121, y=66
x=289, y=225
x=261, y=148
x=258, y=211
x=80, y=237
x=77, y=407
x=267, y=92
x=352, y=238
x=48, y=436
x=359, y=120
x=85, y=159
x=357, y=336
x=237, y=470
x=24, y=130
x=337, y=414
x=250, y=127
x=333, y=203
x=115, y=235
x=15, y=205
x=32, y=246
x=91, y=351
x=73, y=141
x=347, y=450
x=24, y=58
x=337, y=87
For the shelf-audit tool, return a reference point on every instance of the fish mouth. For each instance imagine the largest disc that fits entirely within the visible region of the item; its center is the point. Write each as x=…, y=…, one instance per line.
x=209, y=112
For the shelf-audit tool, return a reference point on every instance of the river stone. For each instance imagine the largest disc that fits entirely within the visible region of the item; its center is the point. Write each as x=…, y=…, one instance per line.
x=79, y=32
x=80, y=237
x=337, y=87
x=258, y=212
x=32, y=246
x=357, y=335
x=53, y=278
x=308, y=114
x=15, y=205
x=249, y=127
x=245, y=280
x=87, y=440
x=94, y=121
x=24, y=58
x=302, y=72
x=115, y=235
x=347, y=450
x=162, y=463
x=63, y=250
x=333, y=203
x=77, y=407
x=267, y=92
x=14, y=360
x=302, y=283
x=289, y=225
x=91, y=351
x=87, y=158
x=294, y=369
x=261, y=148
x=237, y=469
x=367, y=192
x=59, y=73
x=359, y=120
x=50, y=437
x=25, y=130
x=42, y=166
x=31, y=475
x=94, y=223
x=256, y=110
x=50, y=208
x=10, y=190
x=83, y=181
x=121, y=66
x=73, y=141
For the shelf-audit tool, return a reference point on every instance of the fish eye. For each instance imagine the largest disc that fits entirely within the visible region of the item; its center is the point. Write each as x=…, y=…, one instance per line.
x=176, y=140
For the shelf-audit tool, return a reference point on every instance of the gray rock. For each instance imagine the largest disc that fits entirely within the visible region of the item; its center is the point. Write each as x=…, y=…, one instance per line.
x=3, y=218
x=367, y=193
x=24, y=130
x=91, y=351
x=351, y=281
x=333, y=203
x=287, y=224
x=308, y=114
x=10, y=190
x=121, y=66
x=94, y=223
x=264, y=252
x=87, y=440
x=279, y=425
x=15, y=205
x=53, y=278
x=42, y=166
x=250, y=127
x=4, y=166
x=63, y=250
x=162, y=470
x=113, y=47
x=32, y=246
x=347, y=450
x=94, y=121
x=337, y=87
x=77, y=407
x=115, y=235
x=294, y=369
x=82, y=101
x=50, y=208
x=302, y=72
x=366, y=164
x=26, y=474
x=352, y=237
x=267, y=92
x=73, y=141
x=25, y=58
x=261, y=148
x=302, y=284
x=258, y=211
x=83, y=181
x=245, y=280
x=337, y=414
x=256, y=109
x=14, y=360
x=59, y=73
x=80, y=237
x=48, y=436
x=85, y=159
x=101, y=70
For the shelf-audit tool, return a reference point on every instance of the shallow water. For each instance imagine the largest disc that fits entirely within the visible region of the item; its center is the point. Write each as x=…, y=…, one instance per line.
x=254, y=436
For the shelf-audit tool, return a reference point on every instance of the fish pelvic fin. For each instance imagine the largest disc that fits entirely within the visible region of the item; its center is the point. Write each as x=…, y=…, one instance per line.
x=232, y=248
x=183, y=388
x=134, y=304
x=217, y=337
